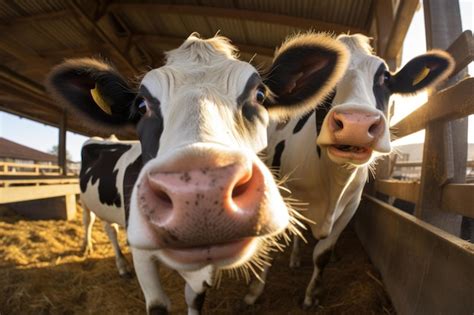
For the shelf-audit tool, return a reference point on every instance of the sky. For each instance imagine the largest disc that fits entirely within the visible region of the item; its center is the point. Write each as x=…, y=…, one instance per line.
x=43, y=137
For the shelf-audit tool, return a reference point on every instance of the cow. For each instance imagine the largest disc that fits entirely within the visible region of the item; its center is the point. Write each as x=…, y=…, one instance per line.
x=327, y=153
x=192, y=192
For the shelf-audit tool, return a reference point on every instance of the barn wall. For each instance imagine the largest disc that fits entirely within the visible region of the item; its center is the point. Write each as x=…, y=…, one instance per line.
x=425, y=270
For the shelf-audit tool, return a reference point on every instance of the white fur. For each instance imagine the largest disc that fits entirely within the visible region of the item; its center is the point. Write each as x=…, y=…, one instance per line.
x=331, y=187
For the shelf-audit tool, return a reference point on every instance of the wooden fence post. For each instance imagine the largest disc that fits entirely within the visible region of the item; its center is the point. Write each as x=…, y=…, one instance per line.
x=445, y=147
x=62, y=159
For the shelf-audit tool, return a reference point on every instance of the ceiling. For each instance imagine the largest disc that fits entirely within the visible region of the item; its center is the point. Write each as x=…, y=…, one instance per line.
x=35, y=35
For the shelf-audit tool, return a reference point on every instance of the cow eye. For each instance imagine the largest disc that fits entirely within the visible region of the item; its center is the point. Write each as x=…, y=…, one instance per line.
x=260, y=95
x=142, y=107
x=383, y=78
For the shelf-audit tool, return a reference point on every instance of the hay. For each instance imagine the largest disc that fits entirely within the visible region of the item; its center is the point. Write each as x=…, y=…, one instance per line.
x=42, y=271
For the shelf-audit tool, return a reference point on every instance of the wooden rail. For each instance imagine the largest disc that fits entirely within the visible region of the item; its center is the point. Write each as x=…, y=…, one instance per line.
x=18, y=169
x=40, y=197
x=25, y=193
x=452, y=103
x=37, y=182
x=449, y=104
x=402, y=164
x=424, y=269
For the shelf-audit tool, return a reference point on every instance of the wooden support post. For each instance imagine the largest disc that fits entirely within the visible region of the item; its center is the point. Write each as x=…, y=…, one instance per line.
x=384, y=15
x=62, y=160
x=445, y=147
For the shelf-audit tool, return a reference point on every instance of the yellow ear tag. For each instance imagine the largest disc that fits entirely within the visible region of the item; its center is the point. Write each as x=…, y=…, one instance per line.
x=421, y=76
x=100, y=101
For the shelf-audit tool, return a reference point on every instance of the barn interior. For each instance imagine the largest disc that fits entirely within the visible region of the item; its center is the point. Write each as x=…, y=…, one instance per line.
x=391, y=261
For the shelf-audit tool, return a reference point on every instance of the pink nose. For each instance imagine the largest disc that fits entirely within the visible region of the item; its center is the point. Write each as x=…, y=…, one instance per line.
x=203, y=206
x=356, y=128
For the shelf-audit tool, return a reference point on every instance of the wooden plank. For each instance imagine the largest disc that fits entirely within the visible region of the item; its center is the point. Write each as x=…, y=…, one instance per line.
x=403, y=18
x=23, y=82
x=384, y=14
x=458, y=198
x=400, y=164
x=102, y=34
x=48, y=16
x=36, y=182
x=17, y=194
x=445, y=146
x=424, y=269
x=236, y=14
x=462, y=50
x=406, y=190
x=460, y=98
x=62, y=160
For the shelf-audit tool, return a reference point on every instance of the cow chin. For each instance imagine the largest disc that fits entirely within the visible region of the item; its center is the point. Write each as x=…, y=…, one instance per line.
x=222, y=256
x=358, y=156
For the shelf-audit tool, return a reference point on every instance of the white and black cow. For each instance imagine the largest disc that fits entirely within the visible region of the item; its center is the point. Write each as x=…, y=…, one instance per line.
x=193, y=192
x=327, y=152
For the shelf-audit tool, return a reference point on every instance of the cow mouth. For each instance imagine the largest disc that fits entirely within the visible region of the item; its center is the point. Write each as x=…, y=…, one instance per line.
x=352, y=152
x=224, y=254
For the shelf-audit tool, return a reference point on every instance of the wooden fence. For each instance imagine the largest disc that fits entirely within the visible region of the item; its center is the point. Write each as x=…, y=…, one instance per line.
x=425, y=269
x=20, y=169
x=38, y=191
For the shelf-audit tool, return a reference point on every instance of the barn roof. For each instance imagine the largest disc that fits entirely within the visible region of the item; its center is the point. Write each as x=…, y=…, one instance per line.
x=13, y=150
x=35, y=35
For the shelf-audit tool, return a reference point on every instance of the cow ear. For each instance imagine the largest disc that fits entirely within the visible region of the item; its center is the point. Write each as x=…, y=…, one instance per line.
x=305, y=69
x=422, y=72
x=94, y=90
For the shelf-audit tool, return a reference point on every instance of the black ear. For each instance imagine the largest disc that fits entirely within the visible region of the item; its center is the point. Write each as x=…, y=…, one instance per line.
x=94, y=90
x=305, y=69
x=422, y=72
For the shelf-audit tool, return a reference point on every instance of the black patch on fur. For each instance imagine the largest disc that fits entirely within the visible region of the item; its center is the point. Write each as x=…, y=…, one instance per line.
x=129, y=180
x=277, y=155
x=322, y=110
x=74, y=85
x=381, y=92
x=245, y=101
x=158, y=310
x=98, y=163
x=302, y=121
x=150, y=127
x=199, y=300
x=323, y=260
x=293, y=82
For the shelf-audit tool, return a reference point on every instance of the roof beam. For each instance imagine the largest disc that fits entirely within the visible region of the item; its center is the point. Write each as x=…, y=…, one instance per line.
x=237, y=14
x=38, y=17
x=89, y=23
x=11, y=78
x=403, y=18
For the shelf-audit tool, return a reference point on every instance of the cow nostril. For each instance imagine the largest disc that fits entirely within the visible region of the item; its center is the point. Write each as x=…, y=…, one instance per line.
x=164, y=199
x=242, y=185
x=339, y=123
x=374, y=128
x=240, y=189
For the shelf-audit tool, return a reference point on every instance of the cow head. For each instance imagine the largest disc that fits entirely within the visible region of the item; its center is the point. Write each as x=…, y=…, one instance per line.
x=203, y=197
x=356, y=130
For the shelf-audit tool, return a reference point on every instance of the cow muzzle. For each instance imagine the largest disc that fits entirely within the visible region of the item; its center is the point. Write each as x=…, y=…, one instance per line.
x=353, y=134
x=210, y=213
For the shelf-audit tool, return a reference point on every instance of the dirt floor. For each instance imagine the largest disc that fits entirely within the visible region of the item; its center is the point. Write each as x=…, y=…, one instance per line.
x=42, y=271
